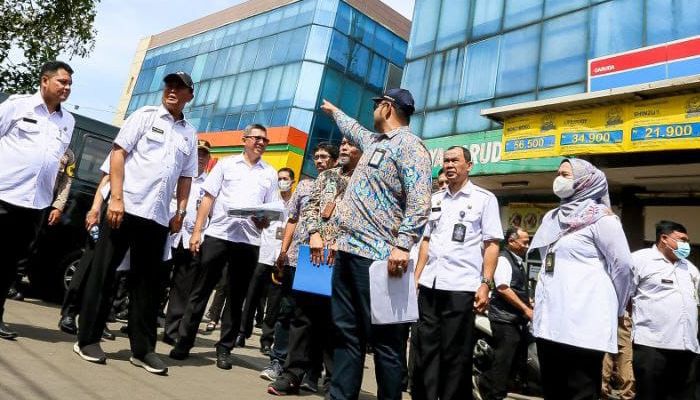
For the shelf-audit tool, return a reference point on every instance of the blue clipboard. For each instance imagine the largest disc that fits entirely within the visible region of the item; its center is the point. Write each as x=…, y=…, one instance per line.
x=310, y=278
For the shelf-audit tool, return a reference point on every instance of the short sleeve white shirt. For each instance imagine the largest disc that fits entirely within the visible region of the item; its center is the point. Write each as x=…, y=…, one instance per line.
x=159, y=150
x=271, y=240
x=454, y=265
x=664, y=301
x=32, y=142
x=234, y=183
x=504, y=271
x=196, y=194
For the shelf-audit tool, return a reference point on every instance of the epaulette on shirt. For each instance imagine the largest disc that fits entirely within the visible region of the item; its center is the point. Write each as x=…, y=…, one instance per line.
x=149, y=108
x=16, y=97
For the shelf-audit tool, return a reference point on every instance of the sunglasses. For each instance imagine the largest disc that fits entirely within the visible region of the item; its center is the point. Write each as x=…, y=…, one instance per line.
x=258, y=139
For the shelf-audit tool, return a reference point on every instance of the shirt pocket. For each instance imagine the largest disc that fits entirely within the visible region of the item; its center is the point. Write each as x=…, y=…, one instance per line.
x=27, y=128
x=472, y=221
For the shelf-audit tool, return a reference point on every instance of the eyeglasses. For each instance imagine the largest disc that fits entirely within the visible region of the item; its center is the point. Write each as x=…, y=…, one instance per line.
x=258, y=139
x=321, y=157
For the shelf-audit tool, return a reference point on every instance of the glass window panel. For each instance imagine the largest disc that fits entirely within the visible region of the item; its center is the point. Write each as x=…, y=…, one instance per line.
x=343, y=18
x=454, y=22
x=351, y=97
x=521, y=12
x=257, y=81
x=357, y=25
x=368, y=35
x=240, y=91
x=210, y=64
x=438, y=123
x=479, y=80
x=561, y=91
x=398, y=51
x=288, y=85
x=517, y=67
x=157, y=78
x=214, y=90
x=556, y=7
x=216, y=123
x=220, y=66
x=366, y=112
x=416, y=124
x=469, y=118
x=234, y=59
x=514, y=99
x=307, y=90
x=263, y=117
x=244, y=30
x=615, y=27
x=339, y=51
x=563, y=58
x=487, y=17
x=319, y=40
x=256, y=30
x=280, y=117
x=423, y=34
x=306, y=12
x=201, y=94
x=143, y=83
x=288, y=16
x=249, y=53
x=451, y=76
x=325, y=12
x=264, y=52
x=281, y=47
x=382, y=40
x=301, y=119
x=272, y=85
x=377, y=73
x=414, y=79
x=273, y=21
x=226, y=93
x=187, y=65
x=246, y=119
x=673, y=19
x=332, y=85
x=231, y=122
x=435, y=79
x=297, y=44
x=359, y=62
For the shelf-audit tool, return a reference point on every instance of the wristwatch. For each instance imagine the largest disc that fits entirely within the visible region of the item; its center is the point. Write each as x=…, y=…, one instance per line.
x=181, y=213
x=489, y=283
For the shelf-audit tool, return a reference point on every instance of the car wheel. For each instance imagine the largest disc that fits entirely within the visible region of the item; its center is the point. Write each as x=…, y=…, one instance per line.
x=69, y=272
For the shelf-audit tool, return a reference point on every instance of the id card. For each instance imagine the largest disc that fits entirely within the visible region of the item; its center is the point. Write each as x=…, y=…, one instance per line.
x=459, y=232
x=549, y=262
x=279, y=233
x=377, y=158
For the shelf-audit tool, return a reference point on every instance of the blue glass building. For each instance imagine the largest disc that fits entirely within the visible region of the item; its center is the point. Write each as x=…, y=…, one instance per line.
x=274, y=66
x=468, y=55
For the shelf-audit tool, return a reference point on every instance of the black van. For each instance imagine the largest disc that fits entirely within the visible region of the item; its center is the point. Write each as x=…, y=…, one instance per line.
x=58, y=249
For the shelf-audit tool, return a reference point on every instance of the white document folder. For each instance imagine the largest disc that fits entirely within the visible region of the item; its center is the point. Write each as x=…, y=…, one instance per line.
x=393, y=300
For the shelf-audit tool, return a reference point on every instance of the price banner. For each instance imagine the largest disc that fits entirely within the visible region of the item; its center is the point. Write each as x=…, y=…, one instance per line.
x=599, y=130
x=530, y=136
x=665, y=124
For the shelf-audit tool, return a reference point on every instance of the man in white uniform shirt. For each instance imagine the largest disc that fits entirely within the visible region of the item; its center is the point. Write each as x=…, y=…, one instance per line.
x=243, y=180
x=665, y=316
x=34, y=134
x=153, y=155
x=184, y=269
x=456, y=264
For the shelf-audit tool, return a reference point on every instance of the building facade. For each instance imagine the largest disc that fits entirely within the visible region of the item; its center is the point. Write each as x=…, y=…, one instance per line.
x=272, y=61
x=474, y=65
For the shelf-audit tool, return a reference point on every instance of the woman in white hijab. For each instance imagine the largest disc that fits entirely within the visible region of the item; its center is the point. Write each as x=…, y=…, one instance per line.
x=583, y=286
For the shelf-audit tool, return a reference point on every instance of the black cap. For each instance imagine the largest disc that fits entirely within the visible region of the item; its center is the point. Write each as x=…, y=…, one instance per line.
x=402, y=98
x=203, y=144
x=181, y=76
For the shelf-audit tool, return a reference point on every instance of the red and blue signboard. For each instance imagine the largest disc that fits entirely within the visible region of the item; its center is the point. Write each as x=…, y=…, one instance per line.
x=648, y=64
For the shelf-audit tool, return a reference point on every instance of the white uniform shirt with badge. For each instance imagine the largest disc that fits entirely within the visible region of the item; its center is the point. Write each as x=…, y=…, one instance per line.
x=159, y=150
x=196, y=194
x=664, y=301
x=458, y=225
x=236, y=184
x=271, y=240
x=32, y=142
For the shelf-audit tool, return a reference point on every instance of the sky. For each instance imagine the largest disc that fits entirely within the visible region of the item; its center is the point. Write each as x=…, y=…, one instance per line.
x=99, y=79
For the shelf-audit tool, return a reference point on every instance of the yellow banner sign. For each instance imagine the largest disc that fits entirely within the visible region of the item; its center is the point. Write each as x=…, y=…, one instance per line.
x=527, y=216
x=649, y=125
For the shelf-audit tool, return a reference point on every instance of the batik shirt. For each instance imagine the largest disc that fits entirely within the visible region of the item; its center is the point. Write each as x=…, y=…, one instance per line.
x=388, y=197
x=329, y=187
x=295, y=208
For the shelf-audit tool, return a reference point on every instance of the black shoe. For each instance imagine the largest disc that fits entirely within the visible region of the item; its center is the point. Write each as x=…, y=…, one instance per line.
x=178, y=353
x=151, y=363
x=6, y=333
x=168, y=340
x=91, y=352
x=258, y=325
x=67, y=324
x=284, y=385
x=223, y=358
x=14, y=294
x=309, y=384
x=111, y=317
x=107, y=334
x=122, y=316
x=124, y=329
x=240, y=340
x=265, y=350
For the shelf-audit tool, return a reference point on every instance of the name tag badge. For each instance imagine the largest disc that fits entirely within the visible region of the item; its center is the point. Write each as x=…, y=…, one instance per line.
x=157, y=130
x=436, y=209
x=279, y=233
x=377, y=158
x=549, y=262
x=667, y=281
x=31, y=121
x=459, y=232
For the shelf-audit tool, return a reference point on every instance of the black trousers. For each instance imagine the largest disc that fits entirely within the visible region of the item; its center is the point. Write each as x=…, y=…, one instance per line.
x=444, y=345
x=19, y=227
x=310, y=336
x=278, y=306
x=181, y=282
x=74, y=294
x=509, y=344
x=214, y=254
x=569, y=372
x=256, y=291
x=662, y=374
x=350, y=307
x=218, y=300
x=146, y=239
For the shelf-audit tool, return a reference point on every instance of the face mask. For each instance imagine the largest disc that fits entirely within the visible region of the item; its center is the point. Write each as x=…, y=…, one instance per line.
x=563, y=187
x=284, y=185
x=683, y=250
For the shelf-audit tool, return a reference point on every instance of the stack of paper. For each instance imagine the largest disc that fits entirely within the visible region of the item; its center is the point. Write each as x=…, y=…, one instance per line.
x=393, y=300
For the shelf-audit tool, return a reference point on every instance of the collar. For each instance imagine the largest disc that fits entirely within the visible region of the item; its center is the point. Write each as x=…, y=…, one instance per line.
x=395, y=132
x=240, y=159
x=163, y=112
x=517, y=257
x=202, y=176
x=658, y=255
x=466, y=189
x=38, y=101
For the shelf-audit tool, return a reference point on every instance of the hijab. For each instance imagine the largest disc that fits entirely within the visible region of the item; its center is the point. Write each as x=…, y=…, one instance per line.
x=589, y=203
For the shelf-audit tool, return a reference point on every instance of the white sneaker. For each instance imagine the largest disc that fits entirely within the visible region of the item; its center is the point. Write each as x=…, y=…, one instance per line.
x=151, y=363
x=272, y=372
x=91, y=352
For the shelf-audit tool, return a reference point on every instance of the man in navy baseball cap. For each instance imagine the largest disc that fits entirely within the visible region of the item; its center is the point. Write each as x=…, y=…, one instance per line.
x=180, y=77
x=401, y=98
